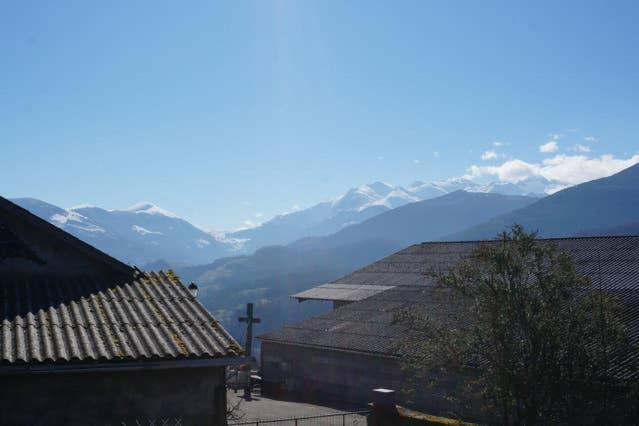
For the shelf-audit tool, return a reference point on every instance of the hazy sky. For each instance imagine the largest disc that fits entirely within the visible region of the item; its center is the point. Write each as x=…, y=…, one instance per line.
x=235, y=111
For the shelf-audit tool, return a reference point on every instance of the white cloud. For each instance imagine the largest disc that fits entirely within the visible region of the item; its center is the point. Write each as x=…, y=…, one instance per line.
x=436, y=154
x=563, y=169
x=549, y=147
x=580, y=148
x=489, y=155
x=415, y=161
x=551, y=144
x=509, y=171
x=590, y=139
x=259, y=215
x=498, y=143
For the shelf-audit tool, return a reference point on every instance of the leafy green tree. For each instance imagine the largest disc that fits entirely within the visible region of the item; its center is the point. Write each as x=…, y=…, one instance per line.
x=528, y=339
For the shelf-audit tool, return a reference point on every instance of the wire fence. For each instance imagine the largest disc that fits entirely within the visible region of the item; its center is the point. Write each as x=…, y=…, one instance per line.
x=153, y=421
x=355, y=418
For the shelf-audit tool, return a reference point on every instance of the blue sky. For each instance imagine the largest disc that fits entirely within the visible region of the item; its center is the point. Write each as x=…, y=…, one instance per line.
x=234, y=111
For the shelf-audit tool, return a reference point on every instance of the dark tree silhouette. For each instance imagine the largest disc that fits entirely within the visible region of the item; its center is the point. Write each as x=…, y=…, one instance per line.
x=529, y=340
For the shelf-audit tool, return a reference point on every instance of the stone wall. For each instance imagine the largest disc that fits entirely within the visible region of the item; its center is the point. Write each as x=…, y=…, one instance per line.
x=316, y=375
x=346, y=379
x=196, y=396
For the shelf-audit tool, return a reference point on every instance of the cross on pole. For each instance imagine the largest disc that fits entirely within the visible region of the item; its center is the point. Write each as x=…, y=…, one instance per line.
x=249, y=320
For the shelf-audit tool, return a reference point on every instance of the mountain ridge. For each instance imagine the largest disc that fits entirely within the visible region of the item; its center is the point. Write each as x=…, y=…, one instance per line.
x=143, y=234
x=601, y=203
x=146, y=233
x=366, y=201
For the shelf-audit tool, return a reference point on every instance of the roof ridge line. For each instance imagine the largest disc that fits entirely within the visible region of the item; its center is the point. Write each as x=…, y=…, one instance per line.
x=536, y=239
x=63, y=236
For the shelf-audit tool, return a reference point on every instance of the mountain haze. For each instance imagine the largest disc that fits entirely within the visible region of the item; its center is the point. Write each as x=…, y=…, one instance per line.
x=272, y=274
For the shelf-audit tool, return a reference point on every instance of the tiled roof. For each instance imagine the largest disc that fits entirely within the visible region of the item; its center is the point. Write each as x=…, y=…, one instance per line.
x=147, y=317
x=612, y=263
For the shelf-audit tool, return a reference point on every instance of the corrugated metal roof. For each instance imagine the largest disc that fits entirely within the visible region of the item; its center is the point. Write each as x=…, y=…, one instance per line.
x=341, y=292
x=147, y=317
x=612, y=263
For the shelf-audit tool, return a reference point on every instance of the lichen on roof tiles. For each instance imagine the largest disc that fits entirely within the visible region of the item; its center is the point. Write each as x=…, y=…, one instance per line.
x=148, y=316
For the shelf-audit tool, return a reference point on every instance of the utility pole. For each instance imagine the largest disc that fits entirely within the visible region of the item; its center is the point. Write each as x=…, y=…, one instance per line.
x=248, y=345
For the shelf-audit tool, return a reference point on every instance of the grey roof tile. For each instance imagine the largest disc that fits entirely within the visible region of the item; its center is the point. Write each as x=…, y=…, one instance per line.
x=150, y=316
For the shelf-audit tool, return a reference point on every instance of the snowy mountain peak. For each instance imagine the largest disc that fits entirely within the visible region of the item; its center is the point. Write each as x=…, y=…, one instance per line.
x=150, y=208
x=83, y=206
x=371, y=195
x=142, y=234
x=454, y=184
x=381, y=188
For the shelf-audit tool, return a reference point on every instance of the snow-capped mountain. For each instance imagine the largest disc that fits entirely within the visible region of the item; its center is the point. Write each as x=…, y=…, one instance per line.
x=361, y=203
x=356, y=205
x=535, y=186
x=146, y=233
x=138, y=235
x=374, y=194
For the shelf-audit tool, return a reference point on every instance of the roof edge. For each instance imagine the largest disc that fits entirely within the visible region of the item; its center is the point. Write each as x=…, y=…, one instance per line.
x=328, y=348
x=536, y=239
x=123, y=366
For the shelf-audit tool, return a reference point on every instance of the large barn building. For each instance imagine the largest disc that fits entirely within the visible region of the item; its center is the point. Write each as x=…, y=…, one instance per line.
x=88, y=340
x=340, y=356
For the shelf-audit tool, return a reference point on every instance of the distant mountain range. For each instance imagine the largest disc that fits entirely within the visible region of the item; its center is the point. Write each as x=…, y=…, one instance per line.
x=139, y=235
x=272, y=274
x=147, y=235
x=605, y=206
x=596, y=206
x=367, y=201
x=430, y=219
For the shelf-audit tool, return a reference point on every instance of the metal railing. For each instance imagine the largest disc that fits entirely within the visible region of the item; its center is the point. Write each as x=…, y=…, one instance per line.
x=353, y=418
x=153, y=421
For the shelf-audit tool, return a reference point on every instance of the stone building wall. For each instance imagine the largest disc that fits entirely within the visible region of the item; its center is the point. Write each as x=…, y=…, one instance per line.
x=325, y=376
x=346, y=379
x=196, y=396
